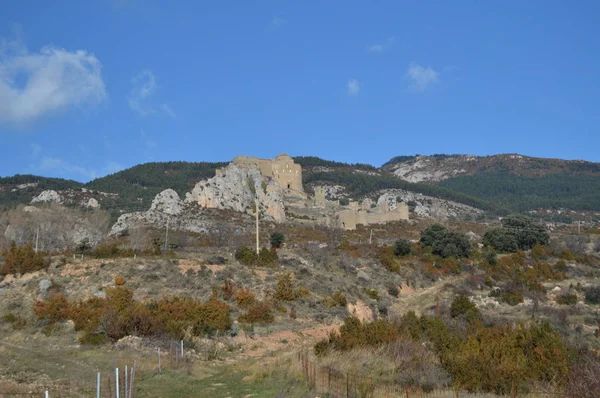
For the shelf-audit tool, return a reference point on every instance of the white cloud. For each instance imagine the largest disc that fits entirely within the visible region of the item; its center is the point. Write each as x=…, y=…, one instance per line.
x=33, y=85
x=421, y=78
x=381, y=47
x=353, y=87
x=144, y=86
x=140, y=97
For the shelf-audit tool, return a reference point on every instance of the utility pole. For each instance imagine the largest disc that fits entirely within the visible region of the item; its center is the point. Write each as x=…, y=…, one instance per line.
x=167, y=236
x=371, y=236
x=578, y=227
x=37, y=238
x=257, y=240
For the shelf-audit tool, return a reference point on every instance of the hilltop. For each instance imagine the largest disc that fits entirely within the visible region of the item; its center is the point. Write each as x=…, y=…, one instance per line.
x=497, y=184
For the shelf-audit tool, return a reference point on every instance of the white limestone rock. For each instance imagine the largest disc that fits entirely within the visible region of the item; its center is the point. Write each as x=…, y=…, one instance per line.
x=47, y=196
x=236, y=188
x=167, y=202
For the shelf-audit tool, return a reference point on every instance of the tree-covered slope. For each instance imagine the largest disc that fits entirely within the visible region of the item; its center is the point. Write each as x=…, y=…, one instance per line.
x=138, y=185
x=21, y=188
x=521, y=193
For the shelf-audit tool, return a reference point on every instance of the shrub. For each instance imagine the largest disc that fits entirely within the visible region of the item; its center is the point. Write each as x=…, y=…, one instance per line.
x=244, y=297
x=353, y=333
x=284, y=290
x=445, y=243
x=111, y=250
x=393, y=290
x=228, y=288
x=402, y=247
x=373, y=294
x=592, y=295
x=249, y=257
x=277, y=239
x=258, y=312
x=491, y=258
x=512, y=297
x=16, y=321
x=118, y=315
x=517, y=232
x=463, y=307
x=337, y=299
x=567, y=299
x=119, y=281
x=22, y=259
x=389, y=260
x=502, y=240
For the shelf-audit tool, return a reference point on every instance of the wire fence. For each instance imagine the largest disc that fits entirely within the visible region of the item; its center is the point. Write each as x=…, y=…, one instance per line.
x=333, y=383
x=116, y=382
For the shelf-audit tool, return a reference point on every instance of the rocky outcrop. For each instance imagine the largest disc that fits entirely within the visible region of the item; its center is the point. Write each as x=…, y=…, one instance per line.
x=91, y=203
x=236, y=188
x=167, y=202
x=164, y=206
x=168, y=208
x=428, y=206
x=47, y=196
x=437, y=168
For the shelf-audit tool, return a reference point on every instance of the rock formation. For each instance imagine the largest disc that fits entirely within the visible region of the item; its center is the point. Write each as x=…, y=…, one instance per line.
x=236, y=188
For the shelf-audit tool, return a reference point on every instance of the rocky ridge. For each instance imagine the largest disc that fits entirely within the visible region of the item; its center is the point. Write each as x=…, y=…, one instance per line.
x=441, y=167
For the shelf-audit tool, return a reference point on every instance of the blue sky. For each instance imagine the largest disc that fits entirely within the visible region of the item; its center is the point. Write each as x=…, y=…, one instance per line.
x=90, y=87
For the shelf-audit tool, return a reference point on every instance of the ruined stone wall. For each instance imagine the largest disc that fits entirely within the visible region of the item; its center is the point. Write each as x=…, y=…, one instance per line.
x=283, y=169
x=351, y=217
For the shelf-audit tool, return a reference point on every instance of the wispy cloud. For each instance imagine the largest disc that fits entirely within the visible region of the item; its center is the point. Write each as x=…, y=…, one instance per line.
x=421, y=78
x=144, y=87
x=167, y=109
x=37, y=84
x=353, y=87
x=381, y=47
x=42, y=163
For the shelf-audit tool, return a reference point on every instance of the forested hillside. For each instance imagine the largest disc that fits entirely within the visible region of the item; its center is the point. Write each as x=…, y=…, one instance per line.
x=521, y=193
x=499, y=184
x=20, y=188
x=137, y=186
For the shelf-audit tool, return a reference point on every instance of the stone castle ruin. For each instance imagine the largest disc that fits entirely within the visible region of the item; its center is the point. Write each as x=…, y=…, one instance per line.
x=277, y=184
x=368, y=213
x=283, y=169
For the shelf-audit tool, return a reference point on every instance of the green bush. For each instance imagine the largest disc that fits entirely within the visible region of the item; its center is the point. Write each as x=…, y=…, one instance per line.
x=373, y=294
x=463, y=307
x=518, y=232
x=277, y=239
x=402, y=247
x=284, y=290
x=248, y=256
x=567, y=299
x=592, y=295
x=491, y=258
x=337, y=299
x=444, y=243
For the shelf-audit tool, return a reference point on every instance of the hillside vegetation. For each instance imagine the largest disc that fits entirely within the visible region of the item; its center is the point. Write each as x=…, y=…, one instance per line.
x=521, y=193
